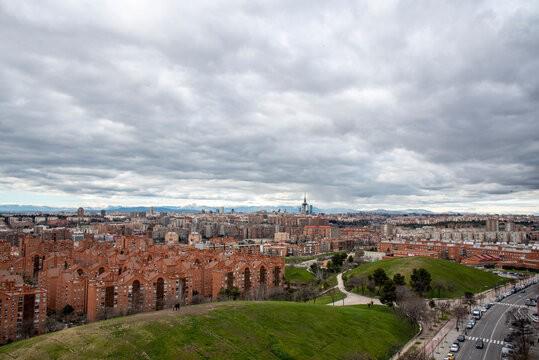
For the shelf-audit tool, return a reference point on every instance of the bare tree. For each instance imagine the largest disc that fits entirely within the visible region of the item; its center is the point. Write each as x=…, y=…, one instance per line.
x=317, y=271
x=415, y=355
x=357, y=282
x=480, y=297
x=521, y=333
x=444, y=307
x=469, y=299
x=411, y=306
x=460, y=313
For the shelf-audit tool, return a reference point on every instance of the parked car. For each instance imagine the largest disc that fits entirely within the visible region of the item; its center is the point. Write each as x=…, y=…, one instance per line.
x=454, y=347
x=508, y=338
x=506, y=352
x=461, y=338
x=470, y=325
x=476, y=313
x=479, y=344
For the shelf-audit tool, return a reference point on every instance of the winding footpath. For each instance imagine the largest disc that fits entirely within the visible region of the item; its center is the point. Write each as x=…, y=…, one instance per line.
x=351, y=298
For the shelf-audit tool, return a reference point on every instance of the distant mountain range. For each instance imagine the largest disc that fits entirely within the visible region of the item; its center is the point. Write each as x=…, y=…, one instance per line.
x=13, y=208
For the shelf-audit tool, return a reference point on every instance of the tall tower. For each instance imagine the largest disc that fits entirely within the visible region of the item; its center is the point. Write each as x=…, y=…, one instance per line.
x=304, y=206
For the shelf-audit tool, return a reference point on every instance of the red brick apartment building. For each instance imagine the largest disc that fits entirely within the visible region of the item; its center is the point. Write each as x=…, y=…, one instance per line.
x=23, y=308
x=470, y=254
x=131, y=274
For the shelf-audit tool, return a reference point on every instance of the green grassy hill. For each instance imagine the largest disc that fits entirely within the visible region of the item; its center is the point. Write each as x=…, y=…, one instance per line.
x=457, y=278
x=237, y=330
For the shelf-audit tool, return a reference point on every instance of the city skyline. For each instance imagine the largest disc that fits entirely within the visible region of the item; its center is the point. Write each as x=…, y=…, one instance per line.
x=364, y=106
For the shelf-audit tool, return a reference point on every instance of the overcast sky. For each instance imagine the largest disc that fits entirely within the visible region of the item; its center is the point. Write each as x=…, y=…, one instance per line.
x=367, y=104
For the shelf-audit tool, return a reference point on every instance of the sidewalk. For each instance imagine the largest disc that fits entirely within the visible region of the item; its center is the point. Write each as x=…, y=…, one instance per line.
x=445, y=340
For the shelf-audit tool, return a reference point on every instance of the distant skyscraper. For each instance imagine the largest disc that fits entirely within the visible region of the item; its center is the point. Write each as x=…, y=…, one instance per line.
x=305, y=207
x=80, y=212
x=103, y=213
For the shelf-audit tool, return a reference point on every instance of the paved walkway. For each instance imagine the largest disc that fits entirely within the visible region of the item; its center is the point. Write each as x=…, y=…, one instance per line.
x=351, y=298
x=439, y=346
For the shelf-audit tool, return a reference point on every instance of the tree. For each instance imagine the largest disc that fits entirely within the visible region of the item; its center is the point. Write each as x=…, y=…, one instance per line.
x=469, y=299
x=198, y=299
x=420, y=280
x=336, y=262
x=389, y=293
x=438, y=286
x=370, y=284
x=350, y=259
x=232, y=293
x=410, y=305
x=444, y=307
x=68, y=310
x=317, y=271
x=460, y=313
x=357, y=282
x=305, y=293
x=415, y=355
x=27, y=329
x=329, y=265
x=51, y=323
x=332, y=293
x=522, y=329
x=379, y=277
x=399, y=279
x=359, y=253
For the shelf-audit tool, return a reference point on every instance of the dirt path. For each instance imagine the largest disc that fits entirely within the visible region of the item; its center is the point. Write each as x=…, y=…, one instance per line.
x=351, y=298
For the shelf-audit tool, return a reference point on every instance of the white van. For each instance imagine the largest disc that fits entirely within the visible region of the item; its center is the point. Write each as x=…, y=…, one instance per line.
x=476, y=313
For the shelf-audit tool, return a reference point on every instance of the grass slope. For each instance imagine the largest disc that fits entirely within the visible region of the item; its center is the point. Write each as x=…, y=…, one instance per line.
x=238, y=330
x=327, y=299
x=297, y=275
x=459, y=278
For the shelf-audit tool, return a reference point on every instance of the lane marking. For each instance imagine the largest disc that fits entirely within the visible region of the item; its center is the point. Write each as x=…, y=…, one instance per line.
x=509, y=306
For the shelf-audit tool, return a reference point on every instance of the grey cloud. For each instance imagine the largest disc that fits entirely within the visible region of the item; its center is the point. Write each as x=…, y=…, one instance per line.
x=358, y=103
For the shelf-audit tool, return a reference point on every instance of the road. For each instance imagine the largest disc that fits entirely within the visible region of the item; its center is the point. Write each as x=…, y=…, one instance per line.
x=492, y=328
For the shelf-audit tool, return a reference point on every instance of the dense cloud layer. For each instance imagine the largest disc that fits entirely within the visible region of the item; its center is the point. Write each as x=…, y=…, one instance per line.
x=406, y=104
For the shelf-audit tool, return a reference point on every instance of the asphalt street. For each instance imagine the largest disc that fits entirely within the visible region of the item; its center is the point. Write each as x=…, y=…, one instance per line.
x=492, y=328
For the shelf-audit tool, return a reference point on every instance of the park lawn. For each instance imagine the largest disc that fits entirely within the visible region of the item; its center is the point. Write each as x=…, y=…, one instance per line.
x=292, y=260
x=457, y=278
x=332, y=280
x=327, y=299
x=234, y=330
x=298, y=276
